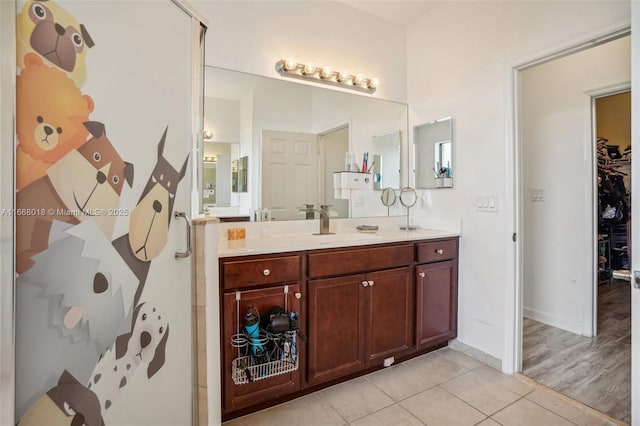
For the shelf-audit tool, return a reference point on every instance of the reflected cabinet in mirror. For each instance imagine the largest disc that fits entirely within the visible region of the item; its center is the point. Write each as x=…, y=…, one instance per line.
x=295, y=136
x=433, y=160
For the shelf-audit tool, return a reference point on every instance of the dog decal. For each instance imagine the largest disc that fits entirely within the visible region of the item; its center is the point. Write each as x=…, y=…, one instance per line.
x=68, y=403
x=74, y=302
x=150, y=218
x=45, y=28
x=83, y=185
x=50, y=114
x=144, y=346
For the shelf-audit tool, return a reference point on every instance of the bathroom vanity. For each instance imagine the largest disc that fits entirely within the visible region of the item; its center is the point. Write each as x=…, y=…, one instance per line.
x=362, y=299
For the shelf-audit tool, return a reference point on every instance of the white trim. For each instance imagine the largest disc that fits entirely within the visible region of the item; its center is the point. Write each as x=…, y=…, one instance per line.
x=7, y=201
x=190, y=10
x=553, y=320
x=512, y=351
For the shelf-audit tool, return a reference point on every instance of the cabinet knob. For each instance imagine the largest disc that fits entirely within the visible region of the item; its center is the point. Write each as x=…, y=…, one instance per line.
x=298, y=295
x=439, y=251
x=266, y=272
x=422, y=274
x=371, y=283
x=365, y=283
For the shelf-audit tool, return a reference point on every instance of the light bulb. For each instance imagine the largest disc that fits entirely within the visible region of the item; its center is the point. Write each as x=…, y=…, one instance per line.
x=373, y=83
x=290, y=64
x=326, y=72
x=308, y=69
x=343, y=76
x=357, y=80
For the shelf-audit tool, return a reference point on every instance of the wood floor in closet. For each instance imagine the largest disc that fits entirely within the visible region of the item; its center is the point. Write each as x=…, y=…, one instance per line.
x=593, y=370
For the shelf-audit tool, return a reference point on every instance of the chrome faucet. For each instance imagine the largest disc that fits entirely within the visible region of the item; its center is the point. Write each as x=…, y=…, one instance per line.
x=324, y=216
x=324, y=219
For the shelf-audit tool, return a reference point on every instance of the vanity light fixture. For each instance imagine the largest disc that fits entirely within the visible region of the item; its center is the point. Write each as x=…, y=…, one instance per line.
x=210, y=159
x=291, y=68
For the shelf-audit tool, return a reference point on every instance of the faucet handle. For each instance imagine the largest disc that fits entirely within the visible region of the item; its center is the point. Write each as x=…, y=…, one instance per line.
x=325, y=206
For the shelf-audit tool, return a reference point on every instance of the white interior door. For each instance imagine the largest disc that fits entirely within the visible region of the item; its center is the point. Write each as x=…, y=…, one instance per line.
x=289, y=173
x=103, y=316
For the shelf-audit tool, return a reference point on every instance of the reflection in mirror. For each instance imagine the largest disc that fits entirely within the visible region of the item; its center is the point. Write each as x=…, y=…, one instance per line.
x=433, y=143
x=217, y=174
x=239, y=173
x=267, y=117
x=386, y=160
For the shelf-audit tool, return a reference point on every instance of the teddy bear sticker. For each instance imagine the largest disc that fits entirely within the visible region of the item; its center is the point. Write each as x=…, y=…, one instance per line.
x=50, y=114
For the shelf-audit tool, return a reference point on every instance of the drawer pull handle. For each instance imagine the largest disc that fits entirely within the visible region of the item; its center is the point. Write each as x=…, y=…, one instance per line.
x=371, y=283
x=422, y=274
x=440, y=251
x=266, y=272
x=365, y=283
x=298, y=295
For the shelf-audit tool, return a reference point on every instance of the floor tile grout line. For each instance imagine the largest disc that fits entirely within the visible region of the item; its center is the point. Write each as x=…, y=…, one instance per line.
x=465, y=402
x=406, y=397
x=332, y=407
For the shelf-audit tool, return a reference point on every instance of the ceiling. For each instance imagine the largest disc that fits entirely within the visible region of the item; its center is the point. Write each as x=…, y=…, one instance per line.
x=399, y=11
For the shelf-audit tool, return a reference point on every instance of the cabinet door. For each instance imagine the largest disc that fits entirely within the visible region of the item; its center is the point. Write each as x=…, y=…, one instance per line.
x=437, y=297
x=336, y=327
x=389, y=314
x=244, y=395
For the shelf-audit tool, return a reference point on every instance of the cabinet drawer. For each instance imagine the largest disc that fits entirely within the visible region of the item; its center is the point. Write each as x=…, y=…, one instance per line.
x=436, y=251
x=340, y=262
x=246, y=273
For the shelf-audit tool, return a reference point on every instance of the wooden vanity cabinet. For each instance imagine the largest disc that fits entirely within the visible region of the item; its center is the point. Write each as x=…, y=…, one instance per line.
x=436, y=292
x=358, y=306
x=267, y=273
x=357, y=320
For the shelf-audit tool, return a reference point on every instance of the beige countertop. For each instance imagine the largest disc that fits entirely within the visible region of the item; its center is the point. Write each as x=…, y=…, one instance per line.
x=308, y=241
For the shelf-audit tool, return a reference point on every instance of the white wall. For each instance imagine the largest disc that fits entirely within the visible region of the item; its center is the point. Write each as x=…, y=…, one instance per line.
x=460, y=58
x=557, y=157
x=252, y=36
x=222, y=117
x=7, y=84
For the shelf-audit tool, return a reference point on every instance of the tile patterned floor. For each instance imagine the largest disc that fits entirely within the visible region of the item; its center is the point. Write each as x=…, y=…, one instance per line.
x=444, y=387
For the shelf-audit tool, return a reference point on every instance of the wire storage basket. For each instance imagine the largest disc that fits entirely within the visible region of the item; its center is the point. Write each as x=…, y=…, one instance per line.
x=280, y=357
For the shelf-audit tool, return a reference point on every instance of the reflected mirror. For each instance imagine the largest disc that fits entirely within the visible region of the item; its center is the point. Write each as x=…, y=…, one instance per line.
x=217, y=174
x=296, y=135
x=433, y=146
x=386, y=160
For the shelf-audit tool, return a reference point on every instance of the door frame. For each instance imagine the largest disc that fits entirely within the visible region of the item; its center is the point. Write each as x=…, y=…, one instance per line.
x=7, y=201
x=322, y=166
x=513, y=340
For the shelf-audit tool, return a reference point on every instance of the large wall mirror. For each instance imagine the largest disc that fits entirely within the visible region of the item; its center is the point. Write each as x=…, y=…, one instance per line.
x=295, y=136
x=433, y=144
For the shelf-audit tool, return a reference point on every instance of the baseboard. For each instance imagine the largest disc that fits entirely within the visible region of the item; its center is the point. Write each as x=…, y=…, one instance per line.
x=477, y=354
x=553, y=321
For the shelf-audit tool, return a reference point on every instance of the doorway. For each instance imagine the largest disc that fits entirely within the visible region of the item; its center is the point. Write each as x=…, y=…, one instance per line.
x=559, y=228
x=333, y=146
